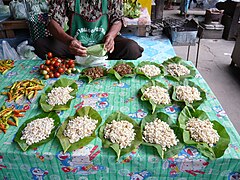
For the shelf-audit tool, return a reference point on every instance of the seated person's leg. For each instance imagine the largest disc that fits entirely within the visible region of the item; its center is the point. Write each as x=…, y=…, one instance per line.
x=125, y=49
x=44, y=45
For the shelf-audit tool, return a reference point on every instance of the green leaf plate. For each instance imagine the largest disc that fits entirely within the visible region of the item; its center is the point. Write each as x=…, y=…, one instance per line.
x=172, y=151
x=96, y=50
x=178, y=60
x=66, y=145
x=211, y=152
x=118, y=76
x=63, y=82
x=154, y=106
x=195, y=103
x=118, y=116
x=22, y=143
x=143, y=63
x=90, y=79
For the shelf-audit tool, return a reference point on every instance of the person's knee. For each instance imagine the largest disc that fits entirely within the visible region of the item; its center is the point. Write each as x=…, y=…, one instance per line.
x=134, y=50
x=40, y=47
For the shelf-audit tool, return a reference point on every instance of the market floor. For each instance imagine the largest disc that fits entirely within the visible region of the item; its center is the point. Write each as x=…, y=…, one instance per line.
x=213, y=64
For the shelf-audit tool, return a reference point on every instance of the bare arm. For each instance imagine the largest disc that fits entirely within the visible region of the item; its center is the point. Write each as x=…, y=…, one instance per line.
x=112, y=33
x=75, y=47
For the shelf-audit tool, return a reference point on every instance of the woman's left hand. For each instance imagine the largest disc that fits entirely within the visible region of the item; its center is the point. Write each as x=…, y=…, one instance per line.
x=109, y=43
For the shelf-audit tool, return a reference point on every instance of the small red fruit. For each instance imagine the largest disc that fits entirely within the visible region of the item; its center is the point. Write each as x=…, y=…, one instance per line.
x=70, y=61
x=57, y=74
x=56, y=64
x=49, y=55
x=61, y=70
x=47, y=62
x=51, y=75
x=51, y=68
x=42, y=66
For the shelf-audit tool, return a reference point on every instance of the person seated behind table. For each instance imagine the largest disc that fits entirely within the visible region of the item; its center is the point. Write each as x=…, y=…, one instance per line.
x=228, y=7
x=97, y=21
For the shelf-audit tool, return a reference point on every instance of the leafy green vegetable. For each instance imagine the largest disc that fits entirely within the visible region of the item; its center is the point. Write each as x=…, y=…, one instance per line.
x=131, y=9
x=22, y=143
x=211, y=152
x=143, y=63
x=117, y=75
x=63, y=82
x=96, y=50
x=196, y=103
x=66, y=145
x=90, y=79
x=172, y=151
x=154, y=106
x=178, y=60
x=118, y=116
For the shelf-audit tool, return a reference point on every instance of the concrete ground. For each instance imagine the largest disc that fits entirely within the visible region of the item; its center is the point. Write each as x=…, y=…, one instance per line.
x=213, y=64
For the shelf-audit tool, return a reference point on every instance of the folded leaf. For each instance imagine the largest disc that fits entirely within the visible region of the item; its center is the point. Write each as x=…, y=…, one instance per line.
x=22, y=143
x=143, y=63
x=210, y=152
x=66, y=145
x=59, y=83
x=172, y=151
x=178, y=60
x=118, y=116
x=96, y=50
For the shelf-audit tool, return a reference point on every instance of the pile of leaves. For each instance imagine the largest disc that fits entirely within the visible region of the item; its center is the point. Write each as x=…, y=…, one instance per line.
x=131, y=9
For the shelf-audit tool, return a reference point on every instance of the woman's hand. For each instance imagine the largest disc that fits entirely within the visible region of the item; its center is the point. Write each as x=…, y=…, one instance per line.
x=109, y=43
x=76, y=48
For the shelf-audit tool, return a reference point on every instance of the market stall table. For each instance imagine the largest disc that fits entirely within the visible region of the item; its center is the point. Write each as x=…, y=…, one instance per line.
x=92, y=161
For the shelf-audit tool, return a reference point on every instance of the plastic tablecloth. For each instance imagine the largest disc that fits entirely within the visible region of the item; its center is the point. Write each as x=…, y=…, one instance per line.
x=94, y=162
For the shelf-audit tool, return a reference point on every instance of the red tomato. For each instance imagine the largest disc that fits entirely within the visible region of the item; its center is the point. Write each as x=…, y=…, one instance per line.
x=49, y=55
x=56, y=64
x=67, y=66
x=61, y=70
x=51, y=68
x=46, y=76
x=72, y=66
x=53, y=62
x=57, y=74
x=51, y=75
x=47, y=62
x=42, y=66
x=70, y=61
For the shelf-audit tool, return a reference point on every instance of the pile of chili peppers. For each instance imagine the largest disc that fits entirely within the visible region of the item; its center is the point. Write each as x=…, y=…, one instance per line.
x=6, y=65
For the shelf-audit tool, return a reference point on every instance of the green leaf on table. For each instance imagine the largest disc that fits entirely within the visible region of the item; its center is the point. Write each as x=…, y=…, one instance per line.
x=154, y=106
x=63, y=82
x=172, y=151
x=180, y=61
x=22, y=143
x=89, y=78
x=106, y=143
x=96, y=50
x=117, y=75
x=196, y=103
x=66, y=145
x=211, y=152
x=143, y=63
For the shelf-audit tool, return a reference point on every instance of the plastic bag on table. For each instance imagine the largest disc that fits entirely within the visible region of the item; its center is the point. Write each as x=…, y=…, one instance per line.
x=91, y=61
x=9, y=52
x=18, y=9
x=26, y=51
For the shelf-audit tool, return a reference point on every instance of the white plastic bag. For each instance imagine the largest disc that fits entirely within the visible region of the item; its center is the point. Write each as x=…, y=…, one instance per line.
x=9, y=52
x=91, y=61
x=26, y=51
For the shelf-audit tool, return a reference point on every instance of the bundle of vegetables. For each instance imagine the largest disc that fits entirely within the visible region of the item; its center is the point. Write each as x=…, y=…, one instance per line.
x=27, y=88
x=131, y=9
x=6, y=65
x=6, y=114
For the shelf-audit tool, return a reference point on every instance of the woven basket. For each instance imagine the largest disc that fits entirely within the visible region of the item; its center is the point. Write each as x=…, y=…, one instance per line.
x=37, y=26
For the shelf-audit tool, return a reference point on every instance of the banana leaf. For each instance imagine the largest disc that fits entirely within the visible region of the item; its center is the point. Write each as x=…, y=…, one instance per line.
x=89, y=78
x=143, y=63
x=118, y=76
x=118, y=116
x=63, y=82
x=172, y=151
x=66, y=145
x=178, y=60
x=196, y=103
x=96, y=50
x=154, y=106
x=211, y=152
x=22, y=143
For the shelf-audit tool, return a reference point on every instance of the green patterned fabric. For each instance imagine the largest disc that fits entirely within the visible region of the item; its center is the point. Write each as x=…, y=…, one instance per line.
x=92, y=161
